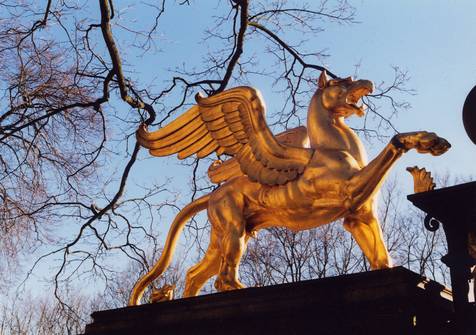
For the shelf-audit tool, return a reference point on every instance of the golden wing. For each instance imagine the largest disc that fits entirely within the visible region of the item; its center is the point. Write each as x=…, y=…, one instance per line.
x=221, y=171
x=232, y=123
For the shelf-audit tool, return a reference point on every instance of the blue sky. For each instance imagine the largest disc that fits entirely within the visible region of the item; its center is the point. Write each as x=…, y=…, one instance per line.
x=436, y=42
x=433, y=40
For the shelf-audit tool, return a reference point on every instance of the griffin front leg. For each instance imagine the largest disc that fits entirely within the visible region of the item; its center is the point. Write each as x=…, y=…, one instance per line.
x=366, y=182
x=365, y=228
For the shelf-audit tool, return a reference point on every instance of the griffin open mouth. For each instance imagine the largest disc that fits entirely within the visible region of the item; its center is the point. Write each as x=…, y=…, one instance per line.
x=359, y=90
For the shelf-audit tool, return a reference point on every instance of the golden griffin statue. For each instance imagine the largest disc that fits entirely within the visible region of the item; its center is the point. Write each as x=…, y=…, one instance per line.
x=300, y=179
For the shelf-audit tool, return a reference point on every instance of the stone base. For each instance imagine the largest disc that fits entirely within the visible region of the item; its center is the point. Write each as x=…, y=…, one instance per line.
x=392, y=301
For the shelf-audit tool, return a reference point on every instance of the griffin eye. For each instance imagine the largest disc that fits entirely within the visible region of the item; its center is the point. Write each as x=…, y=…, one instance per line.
x=335, y=92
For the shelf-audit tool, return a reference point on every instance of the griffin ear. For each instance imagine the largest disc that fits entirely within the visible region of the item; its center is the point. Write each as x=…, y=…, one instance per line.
x=323, y=80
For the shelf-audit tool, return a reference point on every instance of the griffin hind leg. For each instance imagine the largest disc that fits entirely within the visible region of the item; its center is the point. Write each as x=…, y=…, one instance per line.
x=198, y=274
x=227, y=218
x=233, y=247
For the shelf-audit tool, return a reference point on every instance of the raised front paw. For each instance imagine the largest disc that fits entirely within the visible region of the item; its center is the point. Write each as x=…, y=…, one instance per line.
x=440, y=146
x=422, y=141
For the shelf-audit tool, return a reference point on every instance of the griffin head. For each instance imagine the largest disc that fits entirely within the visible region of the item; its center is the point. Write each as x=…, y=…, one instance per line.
x=341, y=96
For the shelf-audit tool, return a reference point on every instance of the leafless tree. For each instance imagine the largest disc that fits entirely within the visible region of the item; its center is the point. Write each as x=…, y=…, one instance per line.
x=41, y=313
x=44, y=315
x=72, y=101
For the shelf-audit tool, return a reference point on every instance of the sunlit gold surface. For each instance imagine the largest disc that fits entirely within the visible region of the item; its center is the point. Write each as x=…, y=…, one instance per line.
x=220, y=171
x=278, y=184
x=422, y=179
x=164, y=293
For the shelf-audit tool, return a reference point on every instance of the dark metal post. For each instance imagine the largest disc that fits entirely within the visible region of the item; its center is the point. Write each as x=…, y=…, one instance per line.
x=455, y=208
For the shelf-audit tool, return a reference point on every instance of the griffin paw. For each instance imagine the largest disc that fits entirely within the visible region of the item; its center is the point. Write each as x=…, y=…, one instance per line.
x=228, y=285
x=423, y=142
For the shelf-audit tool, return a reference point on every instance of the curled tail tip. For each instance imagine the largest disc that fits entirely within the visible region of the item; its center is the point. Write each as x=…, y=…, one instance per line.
x=164, y=260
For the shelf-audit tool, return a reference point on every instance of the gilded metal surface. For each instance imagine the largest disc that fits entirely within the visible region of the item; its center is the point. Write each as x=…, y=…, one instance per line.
x=422, y=179
x=278, y=184
x=220, y=171
x=164, y=293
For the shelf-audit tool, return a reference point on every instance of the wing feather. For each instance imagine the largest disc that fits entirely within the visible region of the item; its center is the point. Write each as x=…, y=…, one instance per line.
x=210, y=114
x=188, y=133
x=232, y=114
x=235, y=127
x=232, y=118
x=220, y=151
x=227, y=141
x=231, y=122
x=233, y=149
x=221, y=171
x=207, y=150
x=187, y=142
x=222, y=133
x=241, y=136
x=189, y=116
x=196, y=146
x=216, y=124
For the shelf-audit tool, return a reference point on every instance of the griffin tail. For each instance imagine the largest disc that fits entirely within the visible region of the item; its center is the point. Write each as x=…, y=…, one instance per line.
x=171, y=242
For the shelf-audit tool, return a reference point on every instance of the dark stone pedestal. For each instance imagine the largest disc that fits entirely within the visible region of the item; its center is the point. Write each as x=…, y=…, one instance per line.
x=393, y=301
